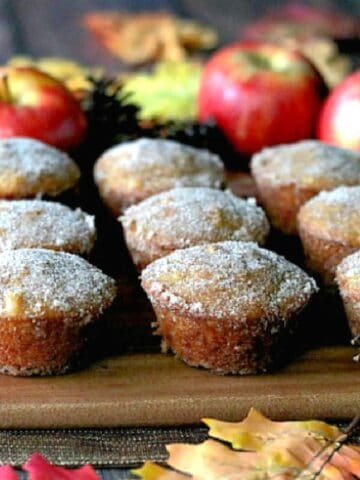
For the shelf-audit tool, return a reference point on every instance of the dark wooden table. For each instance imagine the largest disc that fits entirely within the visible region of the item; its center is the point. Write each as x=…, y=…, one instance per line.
x=50, y=27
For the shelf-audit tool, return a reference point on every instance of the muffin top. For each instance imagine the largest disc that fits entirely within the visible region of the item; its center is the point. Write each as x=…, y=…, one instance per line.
x=308, y=164
x=29, y=168
x=334, y=215
x=230, y=280
x=183, y=217
x=147, y=166
x=39, y=283
x=36, y=223
x=348, y=274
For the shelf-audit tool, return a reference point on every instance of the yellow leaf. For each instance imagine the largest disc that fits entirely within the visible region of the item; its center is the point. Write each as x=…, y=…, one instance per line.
x=152, y=471
x=212, y=460
x=271, y=450
x=257, y=430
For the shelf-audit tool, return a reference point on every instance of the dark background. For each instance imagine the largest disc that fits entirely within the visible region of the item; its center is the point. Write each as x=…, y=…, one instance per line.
x=54, y=27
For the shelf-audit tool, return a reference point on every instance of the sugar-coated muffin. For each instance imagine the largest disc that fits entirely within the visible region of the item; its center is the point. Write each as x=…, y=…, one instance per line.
x=41, y=224
x=185, y=217
x=227, y=306
x=348, y=280
x=29, y=168
x=133, y=171
x=287, y=176
x=329, y=228
x=47, y=301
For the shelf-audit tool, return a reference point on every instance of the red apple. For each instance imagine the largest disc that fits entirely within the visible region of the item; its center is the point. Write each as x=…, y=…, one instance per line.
x=260, y=94
x=33, y=104
x=339, y=120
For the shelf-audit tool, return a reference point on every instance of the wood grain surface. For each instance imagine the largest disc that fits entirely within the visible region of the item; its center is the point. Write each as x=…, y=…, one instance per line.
x=158, y=389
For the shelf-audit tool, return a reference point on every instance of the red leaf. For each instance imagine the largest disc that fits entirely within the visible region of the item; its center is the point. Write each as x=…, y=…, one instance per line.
x=40, y=469
x=8, y=473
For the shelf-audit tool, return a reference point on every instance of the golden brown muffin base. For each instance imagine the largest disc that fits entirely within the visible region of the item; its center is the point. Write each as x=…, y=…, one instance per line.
x=225, y=347
x=116, y=201
x=142, y=258
x=352, y=309
x=40, y=346
x=283, y=202
x=351, y=300
x=322, y=255
x=16, y=186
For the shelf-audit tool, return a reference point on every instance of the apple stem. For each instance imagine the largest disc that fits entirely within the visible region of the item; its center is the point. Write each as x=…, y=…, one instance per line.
x=5, y=93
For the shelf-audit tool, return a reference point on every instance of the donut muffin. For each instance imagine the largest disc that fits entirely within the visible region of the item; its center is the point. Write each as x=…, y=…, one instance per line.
x=329, y=228
x=184, y=217
x=287, y=176
x=29, y=168
x=226, y=306
x=348, y=280
x=40, y=224
x=47, y=301
x=133, y=171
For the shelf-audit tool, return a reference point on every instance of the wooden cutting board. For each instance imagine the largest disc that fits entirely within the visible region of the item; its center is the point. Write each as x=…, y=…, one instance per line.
x=137, y=385
x=158, y=389
x=140, y=386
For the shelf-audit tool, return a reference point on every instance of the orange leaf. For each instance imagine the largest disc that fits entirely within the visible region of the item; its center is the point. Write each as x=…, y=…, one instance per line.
x=274, y=450
x=308, y=455
x=211, y=460
x=348, y=458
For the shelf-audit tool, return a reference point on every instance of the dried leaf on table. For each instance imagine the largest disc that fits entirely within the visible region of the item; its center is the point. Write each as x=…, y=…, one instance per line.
x=308, y=450
x=152, y=471
x=73, y=74
x=39, y=468
x=256, y=430
x=211, y=460
x=143, y=37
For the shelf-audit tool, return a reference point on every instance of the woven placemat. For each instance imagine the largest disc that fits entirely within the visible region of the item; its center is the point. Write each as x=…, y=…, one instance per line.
x=120, y=447
x=116, y=447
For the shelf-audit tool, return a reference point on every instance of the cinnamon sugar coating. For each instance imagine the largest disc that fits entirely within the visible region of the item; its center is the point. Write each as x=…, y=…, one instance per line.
x=329, y=228
x=287, y=176
x=41, y=224
x=185, y=217
x=348, y=280
x=133, y=171
x=29, y=168
x=226, y=306
x=47, y=301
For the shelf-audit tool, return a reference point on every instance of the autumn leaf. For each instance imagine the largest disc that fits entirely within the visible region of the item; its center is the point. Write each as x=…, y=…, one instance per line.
x=308, y=455
x=211, y=460
x=348, y=458
x=39, y=468
x=256, y=430
x=8, y=473
x=152, y=471
x=269, y=451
